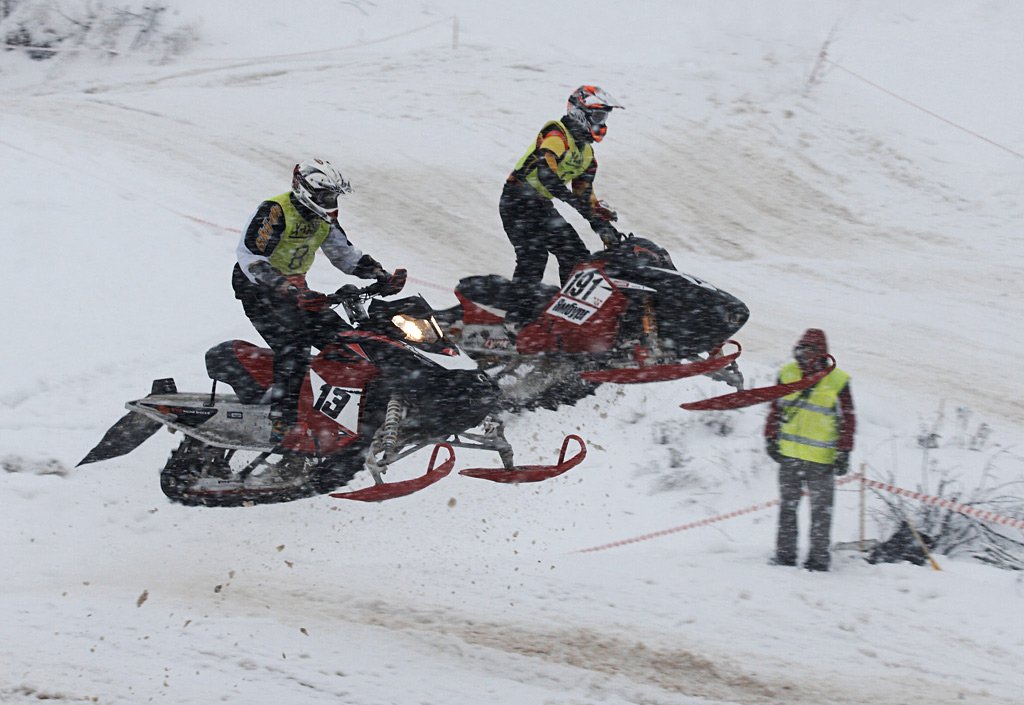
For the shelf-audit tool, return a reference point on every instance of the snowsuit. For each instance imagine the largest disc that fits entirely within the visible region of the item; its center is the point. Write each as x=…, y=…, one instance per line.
x=277, y=248
x=810, y=434
x=561, y=154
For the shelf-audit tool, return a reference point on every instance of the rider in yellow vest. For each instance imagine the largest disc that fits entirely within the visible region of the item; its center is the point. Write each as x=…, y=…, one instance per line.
x=559, y=164
x=810, y=434
x=276, y=250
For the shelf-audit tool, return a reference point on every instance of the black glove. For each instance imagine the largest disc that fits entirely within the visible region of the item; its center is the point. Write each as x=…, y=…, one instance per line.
x=309, y=300
x=771, y=446
x=367, y=268
x=842, y=463
x=603, y=211
x=609, y=235
x=391, y=284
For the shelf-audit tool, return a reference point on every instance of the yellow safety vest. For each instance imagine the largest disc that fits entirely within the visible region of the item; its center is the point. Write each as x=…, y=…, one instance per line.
x=810, y=428
x=301, y=239
x=572, y=162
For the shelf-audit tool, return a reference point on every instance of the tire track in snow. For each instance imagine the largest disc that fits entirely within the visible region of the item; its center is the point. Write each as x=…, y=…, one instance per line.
x=619, y=659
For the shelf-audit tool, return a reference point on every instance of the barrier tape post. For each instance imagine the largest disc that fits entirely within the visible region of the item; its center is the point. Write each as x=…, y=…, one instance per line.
x=920, y=541
x=815, y=77
x=863, y=492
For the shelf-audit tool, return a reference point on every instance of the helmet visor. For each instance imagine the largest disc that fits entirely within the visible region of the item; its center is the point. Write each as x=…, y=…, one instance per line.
x=325, y=198
x=598, y=115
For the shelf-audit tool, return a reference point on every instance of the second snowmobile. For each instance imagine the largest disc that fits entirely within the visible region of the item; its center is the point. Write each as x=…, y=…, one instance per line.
x=626, y=315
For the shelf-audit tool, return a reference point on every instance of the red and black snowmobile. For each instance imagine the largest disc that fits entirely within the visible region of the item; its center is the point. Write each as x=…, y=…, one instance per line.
x=393, y=385
x=626, y=315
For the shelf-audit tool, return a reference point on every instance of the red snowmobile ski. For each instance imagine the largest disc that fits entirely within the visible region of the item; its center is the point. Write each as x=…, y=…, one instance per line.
x=533, y=473
x=659, y=373
x=749, y=397
x=509, y=474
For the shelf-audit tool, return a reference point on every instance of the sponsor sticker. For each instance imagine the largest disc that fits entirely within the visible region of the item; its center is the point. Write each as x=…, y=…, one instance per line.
x=570, y=310
x=581, y=297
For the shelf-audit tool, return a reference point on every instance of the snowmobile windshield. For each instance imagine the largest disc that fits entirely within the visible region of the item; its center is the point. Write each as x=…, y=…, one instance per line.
x=412, y=319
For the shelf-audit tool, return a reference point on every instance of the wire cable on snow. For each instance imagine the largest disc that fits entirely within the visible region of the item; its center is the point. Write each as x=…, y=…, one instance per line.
x=823, y=59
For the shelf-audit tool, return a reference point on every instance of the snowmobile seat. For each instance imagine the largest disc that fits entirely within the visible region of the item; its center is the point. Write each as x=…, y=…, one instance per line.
x=247, y=369
x=500, y=292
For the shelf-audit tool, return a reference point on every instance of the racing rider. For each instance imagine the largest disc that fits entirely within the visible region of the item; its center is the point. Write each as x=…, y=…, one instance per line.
x=276, y=250
x=561, y=155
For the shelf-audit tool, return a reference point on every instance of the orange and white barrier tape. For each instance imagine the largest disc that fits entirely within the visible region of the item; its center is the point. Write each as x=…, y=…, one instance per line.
x=927, y=499
x=947, y=504
x=704, y=522
x=684, y=527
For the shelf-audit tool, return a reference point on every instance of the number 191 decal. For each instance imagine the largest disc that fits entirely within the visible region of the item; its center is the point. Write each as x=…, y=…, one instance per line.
x=589, y=286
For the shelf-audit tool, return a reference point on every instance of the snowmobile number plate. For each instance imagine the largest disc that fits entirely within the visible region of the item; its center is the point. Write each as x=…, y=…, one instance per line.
x=582, y=296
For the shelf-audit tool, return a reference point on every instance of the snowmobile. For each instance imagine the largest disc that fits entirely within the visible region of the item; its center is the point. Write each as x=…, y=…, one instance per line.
x=390, y=386
x=626, y=315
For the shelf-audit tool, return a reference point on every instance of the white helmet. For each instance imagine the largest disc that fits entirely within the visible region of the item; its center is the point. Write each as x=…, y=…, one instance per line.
x=317, y=185
x=589, y=106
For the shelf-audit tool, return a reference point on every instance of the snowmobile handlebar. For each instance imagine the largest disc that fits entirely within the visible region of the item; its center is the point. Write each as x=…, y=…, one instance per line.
x=609, y=234
x=353, y=293
x=351, y=298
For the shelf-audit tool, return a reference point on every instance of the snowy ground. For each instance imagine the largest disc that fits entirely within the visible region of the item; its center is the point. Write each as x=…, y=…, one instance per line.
x=836, y=205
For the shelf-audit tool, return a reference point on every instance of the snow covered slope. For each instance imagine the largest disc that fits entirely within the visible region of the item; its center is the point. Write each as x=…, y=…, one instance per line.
x=881, y=203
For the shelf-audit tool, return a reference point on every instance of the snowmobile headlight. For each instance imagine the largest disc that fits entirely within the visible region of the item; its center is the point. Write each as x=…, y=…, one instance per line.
x=417, y=330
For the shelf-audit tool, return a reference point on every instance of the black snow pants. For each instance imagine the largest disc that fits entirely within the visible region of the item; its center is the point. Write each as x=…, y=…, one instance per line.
x=290, y=332
x=820, y=481
x=535, y=228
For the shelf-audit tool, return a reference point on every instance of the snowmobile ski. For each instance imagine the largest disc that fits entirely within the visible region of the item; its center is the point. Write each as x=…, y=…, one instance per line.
x=663, y=373
x=749, y=397
x=391, y=490
x=532, y=473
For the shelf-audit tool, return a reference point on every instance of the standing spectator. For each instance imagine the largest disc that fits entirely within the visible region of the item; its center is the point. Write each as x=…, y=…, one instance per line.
x=810, y=435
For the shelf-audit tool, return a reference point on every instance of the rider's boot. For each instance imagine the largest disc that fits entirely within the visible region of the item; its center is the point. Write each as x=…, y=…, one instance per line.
x=282, y=416
x=279, y=428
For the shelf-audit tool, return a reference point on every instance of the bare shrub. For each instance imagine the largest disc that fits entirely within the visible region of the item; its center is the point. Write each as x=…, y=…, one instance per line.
x=46, y=28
